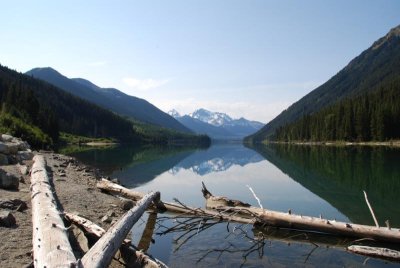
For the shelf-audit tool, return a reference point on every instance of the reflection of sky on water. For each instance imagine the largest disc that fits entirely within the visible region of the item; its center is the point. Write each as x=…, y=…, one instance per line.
x=226, y=170
x=275, y=189
x=217, y=158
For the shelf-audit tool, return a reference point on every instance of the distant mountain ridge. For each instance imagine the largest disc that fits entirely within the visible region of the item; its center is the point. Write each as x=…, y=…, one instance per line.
x=109, y=98
x=375, y=66
x=217, y=125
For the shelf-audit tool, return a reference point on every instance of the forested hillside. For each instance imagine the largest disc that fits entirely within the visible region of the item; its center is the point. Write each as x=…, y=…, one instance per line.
x=38, y=112
x=110, y=98
x=378, y=65
x=370, y=117
x=41, y=105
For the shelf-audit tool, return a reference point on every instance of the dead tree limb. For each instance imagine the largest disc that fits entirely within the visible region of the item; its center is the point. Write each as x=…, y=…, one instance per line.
x=113, y=188
x=375, y=251
x=371, y=210
x=51, y=247
x=101, y=254
x=128, y=255
x=313, y=224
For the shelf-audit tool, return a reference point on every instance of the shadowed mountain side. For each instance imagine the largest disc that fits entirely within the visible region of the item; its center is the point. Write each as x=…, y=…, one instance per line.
x=109, y=98
x=200, y=127
x=340, y=174
x=218, y=158
x=375, y=66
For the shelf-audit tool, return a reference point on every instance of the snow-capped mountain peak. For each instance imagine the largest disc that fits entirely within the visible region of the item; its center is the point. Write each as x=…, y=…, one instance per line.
x=213, y=118
x=219, y=126
x=174, y=113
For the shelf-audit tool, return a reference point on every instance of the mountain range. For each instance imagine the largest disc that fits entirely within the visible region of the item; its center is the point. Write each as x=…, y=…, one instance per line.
x=216, y=125
x=109, y=98
x=377, y=66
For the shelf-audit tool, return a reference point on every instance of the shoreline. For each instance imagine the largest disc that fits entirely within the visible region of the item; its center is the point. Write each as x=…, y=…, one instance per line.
x=76, y=192
x=395, y=144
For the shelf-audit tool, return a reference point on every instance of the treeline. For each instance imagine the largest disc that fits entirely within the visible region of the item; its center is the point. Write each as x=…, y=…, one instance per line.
x=339, y=174
x=37, y=112
x=50, y=109
x=370, y=117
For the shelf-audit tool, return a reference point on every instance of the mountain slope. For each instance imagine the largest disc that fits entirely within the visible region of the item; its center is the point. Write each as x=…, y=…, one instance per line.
x=200, y=127
x=378, y=64
x=40, y=104
x=217, y=125
x=109, y=98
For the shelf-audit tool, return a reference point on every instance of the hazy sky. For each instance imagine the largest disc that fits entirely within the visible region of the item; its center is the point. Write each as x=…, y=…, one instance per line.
x=246, y=58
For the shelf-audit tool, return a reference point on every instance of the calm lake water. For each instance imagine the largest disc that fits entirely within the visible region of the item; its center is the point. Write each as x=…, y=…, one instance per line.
x=309, y=180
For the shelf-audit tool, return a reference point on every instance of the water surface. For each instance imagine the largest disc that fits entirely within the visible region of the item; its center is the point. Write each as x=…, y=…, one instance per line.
x=313, y=181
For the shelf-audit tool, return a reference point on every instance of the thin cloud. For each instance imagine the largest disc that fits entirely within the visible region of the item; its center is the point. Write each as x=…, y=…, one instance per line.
x=144, y=84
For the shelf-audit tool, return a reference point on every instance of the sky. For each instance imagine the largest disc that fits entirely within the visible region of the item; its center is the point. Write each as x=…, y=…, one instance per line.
x=247, y=58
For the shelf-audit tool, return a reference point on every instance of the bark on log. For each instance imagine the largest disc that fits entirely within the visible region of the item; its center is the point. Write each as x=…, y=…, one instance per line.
x=313, y=224
x=101, y=254
x=375, y=251
x=51, y=247
x=113, y=188
x=128, y=255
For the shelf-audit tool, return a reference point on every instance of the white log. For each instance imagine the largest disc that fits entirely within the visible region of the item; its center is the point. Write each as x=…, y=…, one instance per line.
x=299, y=222
x=51, y=247
x=136, y=258
x=113, y=188
x=375, y=252
x=101, y=254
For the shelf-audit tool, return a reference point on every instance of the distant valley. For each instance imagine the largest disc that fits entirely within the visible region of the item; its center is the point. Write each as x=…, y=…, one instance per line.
x=218, y=126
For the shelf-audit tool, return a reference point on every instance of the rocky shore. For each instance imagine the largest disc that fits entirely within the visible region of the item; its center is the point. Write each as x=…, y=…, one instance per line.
x=75, y=186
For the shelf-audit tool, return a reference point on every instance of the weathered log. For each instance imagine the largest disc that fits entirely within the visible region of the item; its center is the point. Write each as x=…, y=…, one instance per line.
x=313, y=224
x=101, y=254
x=113, y=188
x=51, y=247
x=136, y=257
x=375, y=251
x=217, y=201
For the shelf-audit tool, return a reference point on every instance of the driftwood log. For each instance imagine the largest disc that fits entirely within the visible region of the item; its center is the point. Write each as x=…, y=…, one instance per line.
x=127, y=254
x=113, y=188
x=51, y=247
x=375, y=251
x=101, y=254
x=299, y=222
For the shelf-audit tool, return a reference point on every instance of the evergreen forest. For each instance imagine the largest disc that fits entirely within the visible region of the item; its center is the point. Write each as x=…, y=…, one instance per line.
x=37, y=112
x=373, y=116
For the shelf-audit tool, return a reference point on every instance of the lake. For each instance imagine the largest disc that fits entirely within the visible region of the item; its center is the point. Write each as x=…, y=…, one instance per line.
x=309, y=180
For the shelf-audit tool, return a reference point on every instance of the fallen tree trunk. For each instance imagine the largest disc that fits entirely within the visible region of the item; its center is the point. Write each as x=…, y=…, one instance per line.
x=375, y=251
x=101, y=254
x=128, y=255
x=113, y=188
x=51, y=247
x=299, y=222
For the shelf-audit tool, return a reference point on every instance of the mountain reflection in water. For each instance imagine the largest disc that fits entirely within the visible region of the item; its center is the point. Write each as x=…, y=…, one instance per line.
x=308, y=180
